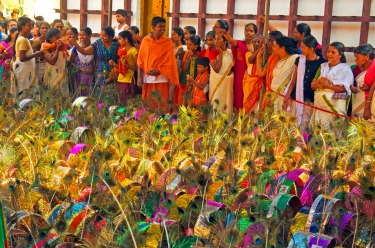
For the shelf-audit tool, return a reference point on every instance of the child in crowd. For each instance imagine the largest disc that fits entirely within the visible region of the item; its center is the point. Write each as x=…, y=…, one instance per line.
x=188, y=67
x=137, y=39
x=121, y=19
x=126, y=65
x=200, y=83
x=189, y=31
x=210, y=52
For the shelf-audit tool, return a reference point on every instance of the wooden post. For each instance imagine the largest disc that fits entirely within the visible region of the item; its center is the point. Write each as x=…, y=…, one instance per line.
x=265, y=34
x=63, y=8
x=292, y=17
x=202, y=19
x=363, y=39
x=110, y=2
x=260, y=11
x=82, y=14
x=230, y=15
x=327, y=25
x=128, y=8
x=104, y=13
x=175, y=14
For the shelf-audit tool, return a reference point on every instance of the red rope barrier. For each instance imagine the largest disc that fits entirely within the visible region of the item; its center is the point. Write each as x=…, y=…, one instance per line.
x=314, y=107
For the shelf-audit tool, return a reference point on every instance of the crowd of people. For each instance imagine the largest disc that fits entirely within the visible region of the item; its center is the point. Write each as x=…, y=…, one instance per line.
x=283, y=74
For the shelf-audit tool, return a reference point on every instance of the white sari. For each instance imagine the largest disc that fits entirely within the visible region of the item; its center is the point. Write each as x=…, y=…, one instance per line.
x=342, y=75
x=358, y=99
x=56, y=76
x=281, y=77
x=221, y=85
x=25, y=73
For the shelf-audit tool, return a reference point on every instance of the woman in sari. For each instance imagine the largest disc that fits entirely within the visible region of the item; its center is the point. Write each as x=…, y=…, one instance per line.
x=221, y=78
x=37, y=44
x=332, y=86
x=84, y=64
x=7, y=52
x=278, y=72
x=24, y=64
x=177, y=37
x=239, y=50
x=305, y=68
x=364, y=75
x=56, y=56
x=252, y=84
x=104, y=49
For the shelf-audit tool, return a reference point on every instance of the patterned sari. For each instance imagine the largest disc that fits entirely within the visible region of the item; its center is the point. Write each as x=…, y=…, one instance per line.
x=252, y=85
x=84, y=77
x=56, y=76
x=103, y=56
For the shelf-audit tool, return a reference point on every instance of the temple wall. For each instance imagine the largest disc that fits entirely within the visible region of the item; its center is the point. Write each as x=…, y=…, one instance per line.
x=346, y=32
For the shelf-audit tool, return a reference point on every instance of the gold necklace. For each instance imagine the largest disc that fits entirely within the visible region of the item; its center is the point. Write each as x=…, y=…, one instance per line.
x=280, y=68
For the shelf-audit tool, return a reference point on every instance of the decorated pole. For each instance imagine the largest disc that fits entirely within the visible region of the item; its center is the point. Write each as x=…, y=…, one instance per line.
x=110, y=3
x=3, y=236
x=265, y=35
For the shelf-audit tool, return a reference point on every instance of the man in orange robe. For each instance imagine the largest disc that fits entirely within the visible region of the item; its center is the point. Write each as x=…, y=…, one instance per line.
x=157, y=66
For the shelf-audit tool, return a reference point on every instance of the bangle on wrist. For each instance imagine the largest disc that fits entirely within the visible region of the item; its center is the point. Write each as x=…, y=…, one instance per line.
x=367, y=101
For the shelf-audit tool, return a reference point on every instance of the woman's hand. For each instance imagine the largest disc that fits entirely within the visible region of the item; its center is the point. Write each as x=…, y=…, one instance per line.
x=261, y=52
x=189, y=54
x=353, y=89
x=123, y=61
x=325, y=83
x=364, y=87
x=58, y=44
x=316, y=84
x=73, y=42
x=261, y=19
x=367, y=112
x=38, y=54
x=286, y=104
x=189, y=79
x=111, y=63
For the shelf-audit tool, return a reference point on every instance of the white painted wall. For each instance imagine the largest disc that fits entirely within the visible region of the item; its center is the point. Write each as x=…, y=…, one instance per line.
x=43, y=8
x=348, y=33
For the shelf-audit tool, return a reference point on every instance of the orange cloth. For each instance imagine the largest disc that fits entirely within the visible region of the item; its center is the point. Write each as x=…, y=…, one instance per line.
x=158, y=54
x=271, y=63
x=121, y=52
x=52, y=47
x=156, y=95
x=199, y=97
x=252, y=86
x=179, y=93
